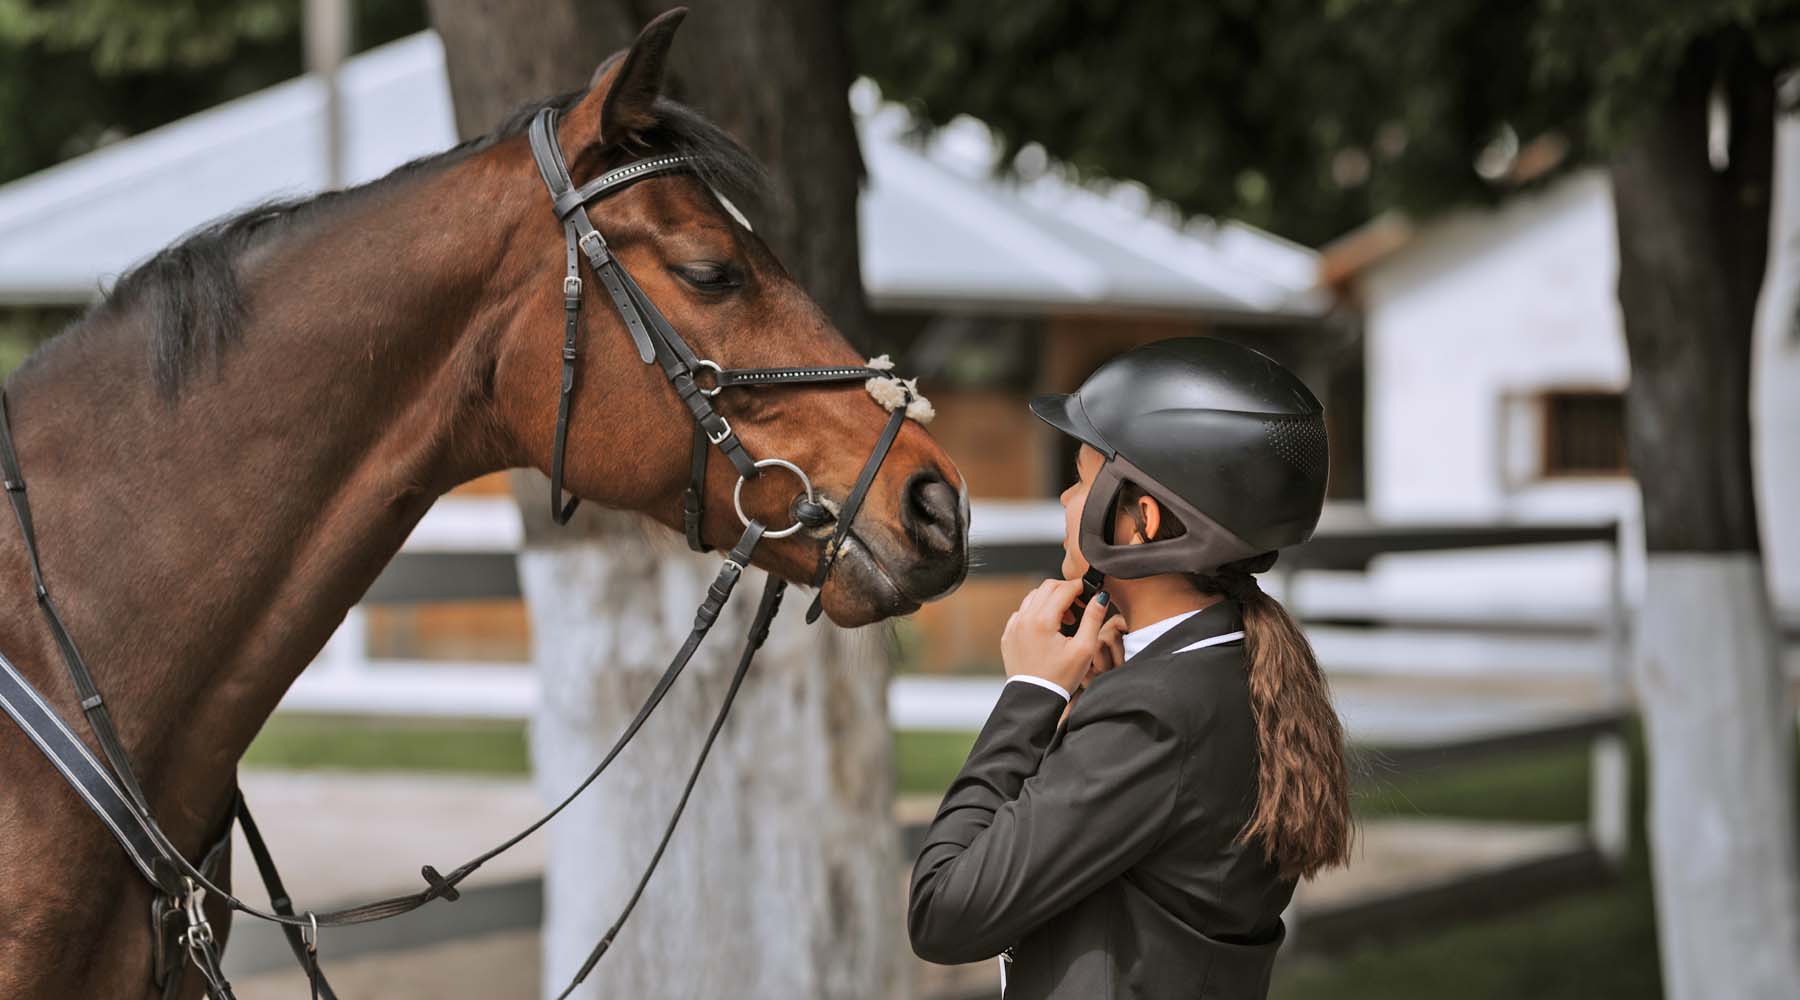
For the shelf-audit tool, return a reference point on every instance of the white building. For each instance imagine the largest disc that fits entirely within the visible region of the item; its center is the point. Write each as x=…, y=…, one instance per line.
x=1495, y=352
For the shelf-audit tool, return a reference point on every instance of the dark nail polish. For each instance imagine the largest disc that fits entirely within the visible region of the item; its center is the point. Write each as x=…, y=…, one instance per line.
x=1102, y=597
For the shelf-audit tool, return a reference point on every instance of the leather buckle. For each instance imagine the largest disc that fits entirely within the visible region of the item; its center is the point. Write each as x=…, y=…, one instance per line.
x=571, y=287
x=724, y=432
x=597, y=253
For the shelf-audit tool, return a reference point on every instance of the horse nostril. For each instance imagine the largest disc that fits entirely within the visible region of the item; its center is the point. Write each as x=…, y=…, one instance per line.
x=931, y=513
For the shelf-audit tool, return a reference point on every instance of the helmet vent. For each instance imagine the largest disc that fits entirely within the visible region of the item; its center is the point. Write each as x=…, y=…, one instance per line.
x=1300, y=441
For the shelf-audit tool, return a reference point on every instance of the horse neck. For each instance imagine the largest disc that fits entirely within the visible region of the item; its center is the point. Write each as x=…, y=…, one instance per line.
x=204, y=549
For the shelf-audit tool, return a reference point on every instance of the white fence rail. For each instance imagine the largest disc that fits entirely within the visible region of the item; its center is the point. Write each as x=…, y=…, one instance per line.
x=464, y=549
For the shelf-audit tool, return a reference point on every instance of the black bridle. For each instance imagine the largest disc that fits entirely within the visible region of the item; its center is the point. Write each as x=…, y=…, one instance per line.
x=112, y=789
x=657, y=341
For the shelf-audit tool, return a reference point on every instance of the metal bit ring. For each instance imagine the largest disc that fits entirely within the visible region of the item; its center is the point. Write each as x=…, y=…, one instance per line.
x=737, y=495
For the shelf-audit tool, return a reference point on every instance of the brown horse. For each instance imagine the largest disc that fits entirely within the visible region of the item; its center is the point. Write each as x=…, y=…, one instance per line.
x=224, y=454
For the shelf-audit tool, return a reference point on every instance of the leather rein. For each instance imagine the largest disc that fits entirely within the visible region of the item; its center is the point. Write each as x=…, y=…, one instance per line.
x=110, y=787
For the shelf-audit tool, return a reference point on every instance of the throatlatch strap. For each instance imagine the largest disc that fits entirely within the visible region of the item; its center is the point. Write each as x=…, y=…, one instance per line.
x=560, y=512
x=693, y=502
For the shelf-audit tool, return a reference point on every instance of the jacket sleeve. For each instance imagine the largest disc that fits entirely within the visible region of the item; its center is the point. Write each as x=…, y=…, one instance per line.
x=1015, y=843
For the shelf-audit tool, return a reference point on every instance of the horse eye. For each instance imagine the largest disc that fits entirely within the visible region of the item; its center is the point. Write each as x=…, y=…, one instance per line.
x=708, y=277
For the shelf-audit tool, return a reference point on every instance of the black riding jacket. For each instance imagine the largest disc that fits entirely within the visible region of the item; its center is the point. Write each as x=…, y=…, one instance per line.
x=1100, y=856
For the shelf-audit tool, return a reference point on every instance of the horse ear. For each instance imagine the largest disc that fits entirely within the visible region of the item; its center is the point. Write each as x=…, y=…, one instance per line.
x=622, y=95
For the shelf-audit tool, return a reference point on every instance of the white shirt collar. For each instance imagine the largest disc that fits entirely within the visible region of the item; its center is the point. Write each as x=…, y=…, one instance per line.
x=1136, y=639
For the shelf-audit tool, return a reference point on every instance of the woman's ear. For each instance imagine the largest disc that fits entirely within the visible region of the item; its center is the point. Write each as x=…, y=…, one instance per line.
x=1150, y=515
x=621, y=97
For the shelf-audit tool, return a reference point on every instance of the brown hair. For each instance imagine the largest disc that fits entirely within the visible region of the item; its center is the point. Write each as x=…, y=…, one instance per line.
x=1302, y=815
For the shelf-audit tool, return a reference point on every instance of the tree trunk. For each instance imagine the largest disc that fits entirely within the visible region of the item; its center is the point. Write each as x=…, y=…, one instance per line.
x=776, y=74
x=1693, y=245
x=784, y=880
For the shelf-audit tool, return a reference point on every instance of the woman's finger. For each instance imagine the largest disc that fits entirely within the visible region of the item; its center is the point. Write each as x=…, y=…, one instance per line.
x=1029, y=601
x=1056, y=596
x=1113, y=642
x=1087, y=635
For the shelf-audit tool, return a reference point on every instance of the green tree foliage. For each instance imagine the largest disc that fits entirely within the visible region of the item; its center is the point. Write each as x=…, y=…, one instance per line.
x=135, y=35
x=1305, y=116
x=75, y=74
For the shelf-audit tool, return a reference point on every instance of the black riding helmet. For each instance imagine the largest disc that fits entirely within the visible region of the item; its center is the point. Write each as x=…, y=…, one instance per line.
x=1229, y=442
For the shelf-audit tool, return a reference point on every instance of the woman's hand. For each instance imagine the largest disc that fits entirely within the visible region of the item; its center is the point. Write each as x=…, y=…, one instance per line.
x=1033, y=643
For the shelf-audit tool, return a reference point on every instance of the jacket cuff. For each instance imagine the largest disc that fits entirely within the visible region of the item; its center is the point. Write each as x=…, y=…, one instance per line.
x=1048, y=685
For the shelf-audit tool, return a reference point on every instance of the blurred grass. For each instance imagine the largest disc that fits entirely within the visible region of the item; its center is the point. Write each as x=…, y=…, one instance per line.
x=341, y=743
x=1548, y=785
x=926, y=761
x=1593, y=945
x=1597, y=945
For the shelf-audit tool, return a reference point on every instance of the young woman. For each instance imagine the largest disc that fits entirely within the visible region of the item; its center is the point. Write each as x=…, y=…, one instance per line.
x=1147, y=792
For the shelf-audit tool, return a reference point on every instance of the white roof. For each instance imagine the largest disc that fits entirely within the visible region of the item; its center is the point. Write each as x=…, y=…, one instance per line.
x=938, y=229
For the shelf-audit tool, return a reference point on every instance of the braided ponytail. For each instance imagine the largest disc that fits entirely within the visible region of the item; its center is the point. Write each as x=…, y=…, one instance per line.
x=1302, y=814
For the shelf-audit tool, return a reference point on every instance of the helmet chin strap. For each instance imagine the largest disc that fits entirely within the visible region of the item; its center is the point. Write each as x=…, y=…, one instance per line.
x=1091, y=582
x=1094, y=579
